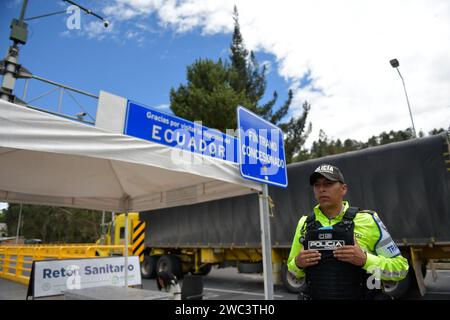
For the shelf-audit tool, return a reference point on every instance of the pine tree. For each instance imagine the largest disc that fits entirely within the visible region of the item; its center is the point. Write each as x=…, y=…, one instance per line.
x=215, y=89
x=208, y=96
x=251, y=79
x=238, y=58
x=296, y=134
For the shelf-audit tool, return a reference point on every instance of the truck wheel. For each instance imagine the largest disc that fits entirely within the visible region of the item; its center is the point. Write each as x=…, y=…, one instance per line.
x=250, y=267
x=290, y=281
x=148, y=267
x=170, y=264
x=203, y=270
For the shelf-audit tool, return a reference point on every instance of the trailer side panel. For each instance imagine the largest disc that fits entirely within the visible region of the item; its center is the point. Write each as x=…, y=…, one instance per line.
x=407, y=183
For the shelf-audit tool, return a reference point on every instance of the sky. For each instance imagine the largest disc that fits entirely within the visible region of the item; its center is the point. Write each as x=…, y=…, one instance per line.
x=334, y=54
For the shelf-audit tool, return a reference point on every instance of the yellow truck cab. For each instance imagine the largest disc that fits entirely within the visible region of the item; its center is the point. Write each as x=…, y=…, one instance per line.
x=171, y=260
x=115, y=233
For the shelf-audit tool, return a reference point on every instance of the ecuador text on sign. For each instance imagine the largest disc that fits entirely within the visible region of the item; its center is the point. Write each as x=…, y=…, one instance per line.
x=148, y=124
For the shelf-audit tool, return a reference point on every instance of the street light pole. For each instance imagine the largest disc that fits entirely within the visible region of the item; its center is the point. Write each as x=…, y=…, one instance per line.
x=395, y=64
x=19, y=223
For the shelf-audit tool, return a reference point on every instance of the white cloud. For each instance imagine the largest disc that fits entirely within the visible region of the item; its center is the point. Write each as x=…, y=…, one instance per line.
x=96, y=30
x=3, y=205
x=346, y=46
x=131, y=34
x=164, y=108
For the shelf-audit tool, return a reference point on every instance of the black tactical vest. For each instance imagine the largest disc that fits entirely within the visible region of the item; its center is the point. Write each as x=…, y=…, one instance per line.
x=331, y=278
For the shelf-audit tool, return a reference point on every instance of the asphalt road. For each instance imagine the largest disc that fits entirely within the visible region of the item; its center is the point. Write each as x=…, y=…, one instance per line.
x=228, y=284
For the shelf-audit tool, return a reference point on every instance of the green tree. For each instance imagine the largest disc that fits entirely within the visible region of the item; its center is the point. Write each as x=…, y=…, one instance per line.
x=54, y=224
x=208, y=95
x=325, y=146
x=438, y=131
x=296, y=134
x=322, y=147
x=251, y=79
x=388, y=137
x=238, y=57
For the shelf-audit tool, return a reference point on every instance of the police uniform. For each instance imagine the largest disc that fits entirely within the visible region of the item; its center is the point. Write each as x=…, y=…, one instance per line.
x=335, y=279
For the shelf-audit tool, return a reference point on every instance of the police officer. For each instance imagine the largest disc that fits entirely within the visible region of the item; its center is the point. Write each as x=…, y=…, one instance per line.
x=342, y=251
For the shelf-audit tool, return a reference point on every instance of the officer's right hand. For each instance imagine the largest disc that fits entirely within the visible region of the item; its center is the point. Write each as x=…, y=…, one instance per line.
x=307, y=258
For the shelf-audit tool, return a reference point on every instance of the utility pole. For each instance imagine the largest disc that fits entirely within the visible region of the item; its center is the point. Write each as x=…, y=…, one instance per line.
x=10, y=67
x=102, y=229
x=18, y=224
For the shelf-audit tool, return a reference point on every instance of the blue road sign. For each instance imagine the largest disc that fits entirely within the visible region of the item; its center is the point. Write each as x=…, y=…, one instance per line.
x=152, y=125
x=260, y=149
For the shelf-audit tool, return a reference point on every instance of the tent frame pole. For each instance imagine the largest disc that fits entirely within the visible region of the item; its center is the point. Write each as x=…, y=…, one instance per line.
x=126, y=249
x=127, y=235
x=266, y=242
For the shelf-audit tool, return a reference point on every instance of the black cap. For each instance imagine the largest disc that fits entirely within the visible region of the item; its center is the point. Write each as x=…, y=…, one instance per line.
x=328, y=172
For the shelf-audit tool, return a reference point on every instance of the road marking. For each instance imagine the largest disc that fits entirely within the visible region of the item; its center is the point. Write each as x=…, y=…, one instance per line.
x=241, y=292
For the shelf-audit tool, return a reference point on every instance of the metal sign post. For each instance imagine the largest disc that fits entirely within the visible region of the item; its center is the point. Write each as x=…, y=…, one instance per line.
x=266, y=242
x=126, y=249
x=126, y=201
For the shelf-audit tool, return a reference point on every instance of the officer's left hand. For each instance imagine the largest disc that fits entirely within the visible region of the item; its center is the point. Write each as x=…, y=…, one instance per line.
x=351, y=254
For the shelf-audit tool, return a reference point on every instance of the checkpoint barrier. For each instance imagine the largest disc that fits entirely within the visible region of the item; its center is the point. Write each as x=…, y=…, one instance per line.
x=138, y=239
x=16, y=260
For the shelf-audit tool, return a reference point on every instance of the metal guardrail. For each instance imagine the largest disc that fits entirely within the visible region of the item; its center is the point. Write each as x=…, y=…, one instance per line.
x=16, y=260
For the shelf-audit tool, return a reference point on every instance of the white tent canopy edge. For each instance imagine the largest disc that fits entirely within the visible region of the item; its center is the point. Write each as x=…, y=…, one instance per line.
x=46, y=159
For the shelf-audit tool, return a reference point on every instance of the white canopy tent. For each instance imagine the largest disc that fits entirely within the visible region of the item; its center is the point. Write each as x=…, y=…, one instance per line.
x=49, y=160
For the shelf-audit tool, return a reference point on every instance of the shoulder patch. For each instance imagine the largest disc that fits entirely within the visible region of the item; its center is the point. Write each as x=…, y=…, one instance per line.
x=385, y=245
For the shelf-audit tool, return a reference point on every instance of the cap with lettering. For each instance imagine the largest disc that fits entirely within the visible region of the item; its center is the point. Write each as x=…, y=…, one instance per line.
x=327, y=171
